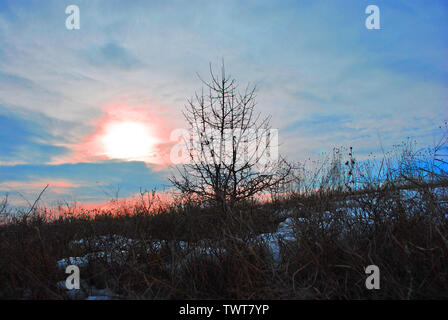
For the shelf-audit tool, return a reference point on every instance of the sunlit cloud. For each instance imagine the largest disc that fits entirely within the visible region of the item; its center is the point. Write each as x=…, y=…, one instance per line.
x=23, y=193
x=36, y=185
x=125, y=133
x=108, y=95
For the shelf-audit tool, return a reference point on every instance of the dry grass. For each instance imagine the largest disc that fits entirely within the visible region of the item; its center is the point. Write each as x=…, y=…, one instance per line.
x=190, y=251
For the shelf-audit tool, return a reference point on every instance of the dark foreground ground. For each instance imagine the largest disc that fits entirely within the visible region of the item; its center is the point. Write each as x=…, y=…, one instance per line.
x=310, y=245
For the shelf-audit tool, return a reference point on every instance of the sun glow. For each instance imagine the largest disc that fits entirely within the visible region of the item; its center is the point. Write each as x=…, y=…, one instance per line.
x=128, y=133
x=129, y=140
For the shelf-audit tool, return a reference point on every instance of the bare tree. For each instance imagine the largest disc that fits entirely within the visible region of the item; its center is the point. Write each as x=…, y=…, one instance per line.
x=232, y=151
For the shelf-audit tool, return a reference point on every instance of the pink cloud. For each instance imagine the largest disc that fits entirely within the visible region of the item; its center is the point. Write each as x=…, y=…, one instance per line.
x=40, y=184
x=126, y=132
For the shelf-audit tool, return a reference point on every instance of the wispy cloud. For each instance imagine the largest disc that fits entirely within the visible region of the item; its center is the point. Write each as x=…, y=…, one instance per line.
x=112, y=55
x=325, y=79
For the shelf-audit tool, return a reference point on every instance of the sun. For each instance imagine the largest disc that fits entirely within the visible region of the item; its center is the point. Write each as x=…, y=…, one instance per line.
x=127, y=140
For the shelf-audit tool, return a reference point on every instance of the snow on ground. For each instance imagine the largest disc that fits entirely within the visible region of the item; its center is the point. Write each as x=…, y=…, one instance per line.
x=88, y=292
x=76, y=261
x=285, y=232
x=84, y=260
x=116, y=244
x=114, y=248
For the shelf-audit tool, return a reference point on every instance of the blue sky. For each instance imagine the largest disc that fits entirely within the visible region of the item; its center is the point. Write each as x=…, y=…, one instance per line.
x=326, y=80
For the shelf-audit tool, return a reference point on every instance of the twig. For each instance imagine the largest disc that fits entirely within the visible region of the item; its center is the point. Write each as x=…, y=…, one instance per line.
x=37, y=200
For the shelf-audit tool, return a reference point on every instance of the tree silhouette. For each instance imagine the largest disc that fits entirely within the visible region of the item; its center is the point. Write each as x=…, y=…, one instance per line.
x=232, y=151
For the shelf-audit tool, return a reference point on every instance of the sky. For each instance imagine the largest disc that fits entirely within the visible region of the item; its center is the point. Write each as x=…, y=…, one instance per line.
x=70, y=99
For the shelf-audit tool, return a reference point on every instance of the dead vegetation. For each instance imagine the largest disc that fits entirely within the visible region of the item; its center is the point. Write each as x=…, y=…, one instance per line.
x=332, y=228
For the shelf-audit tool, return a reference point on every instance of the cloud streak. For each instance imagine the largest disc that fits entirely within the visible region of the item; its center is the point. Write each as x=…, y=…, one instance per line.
x=325, y=79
